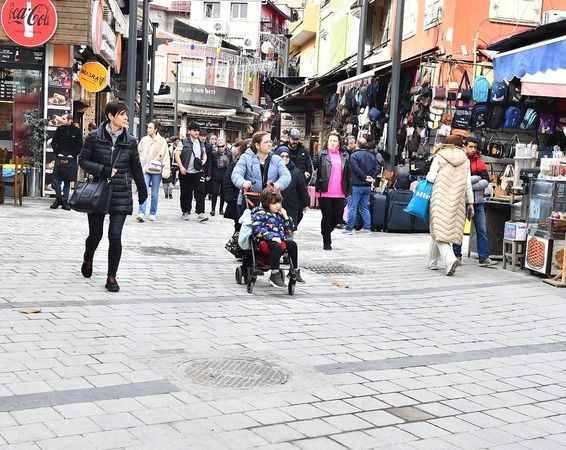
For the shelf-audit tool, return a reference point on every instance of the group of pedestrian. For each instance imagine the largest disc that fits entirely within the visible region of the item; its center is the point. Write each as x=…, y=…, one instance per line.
x=457, y=173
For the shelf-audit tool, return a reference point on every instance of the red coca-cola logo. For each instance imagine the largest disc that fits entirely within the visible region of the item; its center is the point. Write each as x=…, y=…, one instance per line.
x=29, y=23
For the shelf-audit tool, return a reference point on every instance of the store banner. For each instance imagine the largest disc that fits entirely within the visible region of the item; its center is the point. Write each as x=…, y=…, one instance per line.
x=94, y=77
x=197, y=94
x=29, y=23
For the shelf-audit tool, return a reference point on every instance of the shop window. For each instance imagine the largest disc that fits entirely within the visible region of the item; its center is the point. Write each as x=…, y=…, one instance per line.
x=212, y=10
x=410, y=14
x=239, y=10
x=516, y=11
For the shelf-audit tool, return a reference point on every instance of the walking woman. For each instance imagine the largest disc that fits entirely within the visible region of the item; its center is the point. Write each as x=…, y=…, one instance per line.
x=333, y=183
x=221, y=158
x=229, y=190
x=452, y=199
x=110, y=152
x=156, y=164
x=296, y=196
x=258, y=168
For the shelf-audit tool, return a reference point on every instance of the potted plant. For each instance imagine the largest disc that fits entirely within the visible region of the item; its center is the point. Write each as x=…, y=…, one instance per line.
x=35, y=142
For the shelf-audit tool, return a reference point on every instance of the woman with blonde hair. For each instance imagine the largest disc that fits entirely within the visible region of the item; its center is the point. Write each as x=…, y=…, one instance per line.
x=452, y=200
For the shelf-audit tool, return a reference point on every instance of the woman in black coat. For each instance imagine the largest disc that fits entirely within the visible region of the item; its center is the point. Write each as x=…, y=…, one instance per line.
x=296, y=196
x=110, y=152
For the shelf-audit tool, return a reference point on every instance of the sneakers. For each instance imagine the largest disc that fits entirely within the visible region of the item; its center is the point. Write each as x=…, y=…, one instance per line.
x=340, y=226
x=152, y=218
x=141, y=217
x=276, y=280
x=112, y=284
x=433, y=266
x=488, y=262
x=186, y=216
x=364, y=231
x=349, y=232
x=451, y=268
x=202, y=218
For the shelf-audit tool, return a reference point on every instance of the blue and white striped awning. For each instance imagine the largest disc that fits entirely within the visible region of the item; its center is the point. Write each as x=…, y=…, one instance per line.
x=536, y=58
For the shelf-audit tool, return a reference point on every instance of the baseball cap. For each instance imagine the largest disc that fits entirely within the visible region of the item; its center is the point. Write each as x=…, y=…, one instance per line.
x=294, y=134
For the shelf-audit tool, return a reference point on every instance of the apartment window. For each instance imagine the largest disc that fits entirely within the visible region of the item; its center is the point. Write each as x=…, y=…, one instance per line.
x=432, y=13
x=222, y=73
x=192, y=70
x=239, y=11
x=516, y=11
x=212, y=10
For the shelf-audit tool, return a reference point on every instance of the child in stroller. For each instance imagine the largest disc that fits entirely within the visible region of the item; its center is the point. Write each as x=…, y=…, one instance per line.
x=272, y=229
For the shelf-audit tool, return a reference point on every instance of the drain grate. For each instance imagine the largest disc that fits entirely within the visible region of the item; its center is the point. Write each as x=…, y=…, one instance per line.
x=236, y=373
x=334, y=269
x=166, y=251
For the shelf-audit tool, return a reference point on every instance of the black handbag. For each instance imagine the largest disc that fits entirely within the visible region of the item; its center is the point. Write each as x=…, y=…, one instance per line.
x=462, y=118
x=93, y=197
x=495, y=149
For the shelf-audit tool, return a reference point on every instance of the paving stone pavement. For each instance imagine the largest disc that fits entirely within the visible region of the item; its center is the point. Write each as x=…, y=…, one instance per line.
x=373, y=352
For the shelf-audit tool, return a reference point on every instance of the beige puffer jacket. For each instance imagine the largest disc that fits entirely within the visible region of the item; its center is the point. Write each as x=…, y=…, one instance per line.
x=452, y=189
x=155, y=149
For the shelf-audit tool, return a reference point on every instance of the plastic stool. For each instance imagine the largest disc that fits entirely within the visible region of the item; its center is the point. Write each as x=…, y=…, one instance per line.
x=514, y=251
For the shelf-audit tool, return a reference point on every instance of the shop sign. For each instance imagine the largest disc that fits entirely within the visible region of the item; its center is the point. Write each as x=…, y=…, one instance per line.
x=199, y=94
x=205, y=123
x=24, y=56
x=29, y=23
x=94, y=77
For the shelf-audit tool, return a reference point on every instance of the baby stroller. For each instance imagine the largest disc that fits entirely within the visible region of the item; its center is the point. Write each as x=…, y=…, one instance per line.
x=255, y=259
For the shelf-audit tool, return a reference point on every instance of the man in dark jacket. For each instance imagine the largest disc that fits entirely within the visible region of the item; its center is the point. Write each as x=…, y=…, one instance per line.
x=299, y=154
x=296, y=196
x=67, y=143
x=364, y=168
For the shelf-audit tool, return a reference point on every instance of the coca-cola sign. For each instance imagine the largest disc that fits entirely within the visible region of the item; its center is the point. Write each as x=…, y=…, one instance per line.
x=29, y=23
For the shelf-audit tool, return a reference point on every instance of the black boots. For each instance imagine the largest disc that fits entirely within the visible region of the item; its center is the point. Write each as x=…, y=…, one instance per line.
x=66, y=206
x=86, y=268
x=56, y=203
x=112, y=284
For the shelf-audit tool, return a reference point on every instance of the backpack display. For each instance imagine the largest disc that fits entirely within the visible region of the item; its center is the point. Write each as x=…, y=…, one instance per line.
x=529, y=119
x=351, y=100
x=374, y=114
x=372, y=92
x=512, y=117
x=480, y=91
x=514, y=93
x=361, y=97
x=462, y=119
x=480, y=116
x=496, y=117
x=499, y=92
x=547, y=123
x=332, y=105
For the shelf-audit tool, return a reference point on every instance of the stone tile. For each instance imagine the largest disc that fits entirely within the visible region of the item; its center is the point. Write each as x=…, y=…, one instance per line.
x=116, y=421
x=75, y=410
x=314, y=427
x=70, y=427
x=303, y=411
x=356, y=440
x=270, y=416
x=348, y=422
x=423, y=429
x=26, y=433
x=335, y=407
x=380, y=418
x=321, y=443
x=278, y=433
x=36, y=415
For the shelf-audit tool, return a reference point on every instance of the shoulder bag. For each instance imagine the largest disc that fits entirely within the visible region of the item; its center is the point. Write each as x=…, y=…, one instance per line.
x=93, y=197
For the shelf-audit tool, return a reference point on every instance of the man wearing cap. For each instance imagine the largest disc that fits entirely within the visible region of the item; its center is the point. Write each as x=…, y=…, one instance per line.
x=299, y=154
x=66, y=143
x=191, y=158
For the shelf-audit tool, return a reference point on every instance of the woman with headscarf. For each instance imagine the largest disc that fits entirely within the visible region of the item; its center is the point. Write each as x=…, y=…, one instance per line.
x=296, y=196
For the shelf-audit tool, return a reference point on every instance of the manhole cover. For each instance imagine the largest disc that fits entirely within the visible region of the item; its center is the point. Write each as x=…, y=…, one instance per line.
x=165, y=251
x=236, y=373
x=333, y=268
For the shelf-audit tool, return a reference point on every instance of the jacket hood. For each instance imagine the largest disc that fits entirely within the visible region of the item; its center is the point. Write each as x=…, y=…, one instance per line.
x=455, y=156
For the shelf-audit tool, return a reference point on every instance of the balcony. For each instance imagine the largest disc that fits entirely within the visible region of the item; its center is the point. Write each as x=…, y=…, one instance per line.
x=306, y=29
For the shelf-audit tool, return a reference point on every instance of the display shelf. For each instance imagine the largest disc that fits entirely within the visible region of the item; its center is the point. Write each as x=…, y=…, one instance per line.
x=491, y=160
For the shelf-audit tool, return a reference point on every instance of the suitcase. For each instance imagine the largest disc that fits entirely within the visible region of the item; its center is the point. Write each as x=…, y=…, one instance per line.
x=397, y=219
x=421, y=225
x=378, y=210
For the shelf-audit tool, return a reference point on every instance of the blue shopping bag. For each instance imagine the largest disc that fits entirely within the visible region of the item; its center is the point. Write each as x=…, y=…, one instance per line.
x=418, y=206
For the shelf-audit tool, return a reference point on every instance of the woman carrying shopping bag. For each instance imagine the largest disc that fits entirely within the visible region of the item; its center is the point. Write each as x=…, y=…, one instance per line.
x=451, y=201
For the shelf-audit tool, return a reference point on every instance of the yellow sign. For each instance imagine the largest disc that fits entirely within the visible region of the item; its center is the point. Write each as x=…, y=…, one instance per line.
x=94, y=77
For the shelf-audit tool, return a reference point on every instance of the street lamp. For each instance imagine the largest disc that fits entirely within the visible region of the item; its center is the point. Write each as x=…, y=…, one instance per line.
x=176, y=105
x=154, y=26
x=132, y=56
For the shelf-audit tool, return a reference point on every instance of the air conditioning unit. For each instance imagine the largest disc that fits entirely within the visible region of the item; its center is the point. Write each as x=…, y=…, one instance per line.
x=553, y=15
x=220, y=28
x=249, y=44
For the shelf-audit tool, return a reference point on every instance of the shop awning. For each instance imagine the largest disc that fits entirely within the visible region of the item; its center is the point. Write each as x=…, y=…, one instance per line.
x=532, y=59
x=206, y=112
x=551, y=83
x=365, y=75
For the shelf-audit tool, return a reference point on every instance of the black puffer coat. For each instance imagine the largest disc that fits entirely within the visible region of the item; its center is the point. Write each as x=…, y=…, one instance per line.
x=96, y=158
x=296, y=196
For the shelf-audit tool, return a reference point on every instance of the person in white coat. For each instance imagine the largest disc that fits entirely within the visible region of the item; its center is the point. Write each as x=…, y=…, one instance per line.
x=156, y=164
x=452, y=200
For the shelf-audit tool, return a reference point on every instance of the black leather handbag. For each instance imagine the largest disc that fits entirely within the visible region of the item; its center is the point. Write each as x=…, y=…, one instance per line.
x=93, y=197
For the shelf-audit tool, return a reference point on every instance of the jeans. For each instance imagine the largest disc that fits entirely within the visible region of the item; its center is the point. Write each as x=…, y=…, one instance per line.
x=95, y=229
x=360, y=200
x=191, y=186
x=152, y=180
x=275, y=251
x=332, y=213
x=215, y=192
x=56, y=185
x=480, y=224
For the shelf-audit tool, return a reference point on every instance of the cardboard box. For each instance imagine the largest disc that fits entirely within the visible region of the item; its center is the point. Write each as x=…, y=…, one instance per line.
x=516, y=231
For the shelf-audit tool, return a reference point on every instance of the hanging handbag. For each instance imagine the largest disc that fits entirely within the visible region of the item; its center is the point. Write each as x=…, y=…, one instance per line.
x=93, y=197
x=465, y=88
x=494, y=149
x=507, y=178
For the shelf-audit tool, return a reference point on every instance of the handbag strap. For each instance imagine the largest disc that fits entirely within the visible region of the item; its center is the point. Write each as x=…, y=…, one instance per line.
x=464, y=82
x=114, y=164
